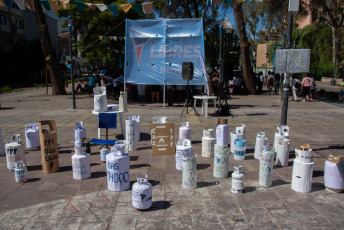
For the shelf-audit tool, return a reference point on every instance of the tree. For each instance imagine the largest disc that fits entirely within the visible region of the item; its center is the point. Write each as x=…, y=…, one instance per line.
x=49, y=54
x=330, y=12
x=244, y=48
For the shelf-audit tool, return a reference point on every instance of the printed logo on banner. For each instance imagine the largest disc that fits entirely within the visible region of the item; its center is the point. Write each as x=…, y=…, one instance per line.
x=139, y=43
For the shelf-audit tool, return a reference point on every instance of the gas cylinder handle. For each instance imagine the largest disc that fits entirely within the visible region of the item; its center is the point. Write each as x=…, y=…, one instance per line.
x=33, y=126
x=142, y=178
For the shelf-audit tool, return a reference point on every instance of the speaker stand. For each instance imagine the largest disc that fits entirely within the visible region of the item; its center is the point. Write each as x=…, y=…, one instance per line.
x=188, y=101
x=224, y=104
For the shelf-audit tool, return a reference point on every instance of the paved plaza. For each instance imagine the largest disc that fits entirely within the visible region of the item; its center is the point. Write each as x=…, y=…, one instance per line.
x=57, y=201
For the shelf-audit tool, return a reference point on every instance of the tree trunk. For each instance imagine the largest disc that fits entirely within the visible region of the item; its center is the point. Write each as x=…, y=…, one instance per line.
x=49, y=54
x=244, y=48
x=336, y=49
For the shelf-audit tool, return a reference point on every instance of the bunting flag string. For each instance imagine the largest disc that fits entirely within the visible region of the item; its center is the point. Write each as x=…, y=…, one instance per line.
x=141, y=8
x=114, y=38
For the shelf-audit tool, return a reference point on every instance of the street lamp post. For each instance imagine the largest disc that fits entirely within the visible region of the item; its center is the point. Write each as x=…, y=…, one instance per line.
x=71, y=66
x=293, y=7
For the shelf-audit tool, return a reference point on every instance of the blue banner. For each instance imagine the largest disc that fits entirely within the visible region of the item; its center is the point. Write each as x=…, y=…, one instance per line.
x=156, y=48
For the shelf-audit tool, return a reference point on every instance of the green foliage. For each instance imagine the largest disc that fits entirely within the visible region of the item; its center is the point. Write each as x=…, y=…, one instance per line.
x=318, y=38
x=6, y=89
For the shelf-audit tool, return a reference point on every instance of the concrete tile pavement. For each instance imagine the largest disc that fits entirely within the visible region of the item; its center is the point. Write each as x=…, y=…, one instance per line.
x=56, y=201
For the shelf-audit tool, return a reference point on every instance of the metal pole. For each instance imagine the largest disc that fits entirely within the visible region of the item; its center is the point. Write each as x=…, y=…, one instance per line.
x=71, y=66
x=284, y=110
x=105, y=53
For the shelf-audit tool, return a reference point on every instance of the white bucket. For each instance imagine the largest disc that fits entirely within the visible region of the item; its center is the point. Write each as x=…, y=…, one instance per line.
x=189, y=179
x=32, y=135
x=130, y=127
x=100, y=100
x=183, y=149
x=185, y=131
x=282, y=153
x=118, y=171
x=142, y=193
x=222, y=132
x=237, y=180
x=137, y=119
x=301, y=180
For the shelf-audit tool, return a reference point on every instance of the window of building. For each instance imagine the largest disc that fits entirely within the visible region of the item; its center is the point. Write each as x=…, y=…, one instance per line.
x=20, y=24
x=3, y=20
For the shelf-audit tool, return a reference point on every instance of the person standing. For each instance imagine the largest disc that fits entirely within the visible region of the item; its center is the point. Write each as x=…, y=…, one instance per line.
x=341, y=91
x=155, y=93
x=170, y=94
x=260, y=82
x=277, y=83
x=91, y=84
x=312, y=87
x=270, y=82
x=306, y=84
x=295, y=86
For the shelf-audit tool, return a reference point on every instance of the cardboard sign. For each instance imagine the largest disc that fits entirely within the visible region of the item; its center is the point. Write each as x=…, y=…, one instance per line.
x=340, y=166
x=163, y=139
x=49, y=149
x=292, y=60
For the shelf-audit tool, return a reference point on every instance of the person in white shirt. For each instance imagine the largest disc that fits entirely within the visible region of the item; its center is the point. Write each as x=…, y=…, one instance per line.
x=295, y=86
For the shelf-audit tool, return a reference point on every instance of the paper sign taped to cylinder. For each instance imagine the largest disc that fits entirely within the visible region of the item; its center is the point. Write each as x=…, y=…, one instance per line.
x=163, y=139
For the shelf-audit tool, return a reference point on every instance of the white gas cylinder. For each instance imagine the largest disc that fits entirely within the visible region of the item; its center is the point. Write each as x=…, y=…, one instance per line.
x=222, y=134
x=237, y=180
x=14, y=151
x=118, y=171
x=189, y=178
x=183, y=149
x=282, y=152
x=142, y=193
x=79, y=133
x=32, y=135
x=121, y=146
x=103, y=152
x=260, y=141
x=282, y=133
x=185, y=131
x=301, y=180
x=220, y=169
x=137, y=119
x=130, y=137
x=241, y=129
x=235, y=135
x=208, y=141
x=100, y=100
x=20, y=172
x=266, y=167
x=81, y=164
x=2, y=145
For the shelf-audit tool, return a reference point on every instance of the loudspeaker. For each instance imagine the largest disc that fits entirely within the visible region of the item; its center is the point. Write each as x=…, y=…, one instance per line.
x=187, y=71
x=226, y=68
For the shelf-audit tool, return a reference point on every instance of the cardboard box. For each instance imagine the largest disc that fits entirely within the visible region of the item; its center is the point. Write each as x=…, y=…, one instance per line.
x=49, y=148
x=163, y=139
